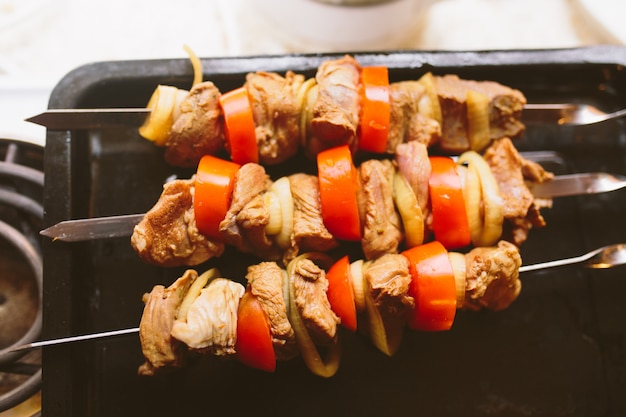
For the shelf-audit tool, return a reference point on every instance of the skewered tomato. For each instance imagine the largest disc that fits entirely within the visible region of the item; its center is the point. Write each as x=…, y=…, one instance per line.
x=340, y=293
x=450, y=223
x=338, y=182
x=254, y=340
x=239, y=126
x=432, y=286
x=213, y=191
x=375, y=112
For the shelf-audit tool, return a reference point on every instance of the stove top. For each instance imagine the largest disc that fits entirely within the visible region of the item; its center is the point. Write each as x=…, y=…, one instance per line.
x=21, y=217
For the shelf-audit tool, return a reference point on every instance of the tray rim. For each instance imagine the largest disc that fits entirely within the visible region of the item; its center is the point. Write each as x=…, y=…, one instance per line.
x=68, y=90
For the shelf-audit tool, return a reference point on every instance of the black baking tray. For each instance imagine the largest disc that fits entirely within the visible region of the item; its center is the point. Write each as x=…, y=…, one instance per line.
x=559, y=350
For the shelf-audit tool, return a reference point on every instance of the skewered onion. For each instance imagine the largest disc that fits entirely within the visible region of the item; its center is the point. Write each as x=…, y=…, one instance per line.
x=272, y=202
x=282, y=188
x=429, y=104
x=493, y=205
x=356, y=276
x=303, y=106
x=472, y=194
x=477, y=120
x=457, y=260
x=410, y=211
x=159, y=123
x=194, y=291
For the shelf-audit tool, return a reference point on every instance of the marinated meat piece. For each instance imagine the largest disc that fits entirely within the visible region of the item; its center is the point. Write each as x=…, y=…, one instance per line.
x=159, y=348
x=534, y=172
x=168, y=236
x=509, y=169
x=247, y=216
x=266, y=283
x=198, y=130
x=389, y=279
x=506, y=105
x=506, y=165
x=492, y=277
x=336, y=111
x=406, y=123
x=309, y=231
x=253, y=219
x=414, y=165
x=381, y=224
x=517, y=229
x=276, y=114
x=211, y=322
x=309, y=287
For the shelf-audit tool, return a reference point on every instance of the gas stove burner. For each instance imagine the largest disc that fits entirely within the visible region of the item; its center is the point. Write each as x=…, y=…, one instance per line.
x=21, y=269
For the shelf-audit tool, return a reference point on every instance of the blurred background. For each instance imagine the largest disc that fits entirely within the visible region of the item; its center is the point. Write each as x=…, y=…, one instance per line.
x=42, y=40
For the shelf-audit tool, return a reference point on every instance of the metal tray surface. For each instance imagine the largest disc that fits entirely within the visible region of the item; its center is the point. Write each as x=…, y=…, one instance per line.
x=559, y=350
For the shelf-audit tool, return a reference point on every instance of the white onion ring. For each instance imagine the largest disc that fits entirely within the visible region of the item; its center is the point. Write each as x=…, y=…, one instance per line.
x=459, y=267
x=194, y=291
x=493, y=205
x=410, y=211
x=302, y=104
x=158, y=124
x=282, y=188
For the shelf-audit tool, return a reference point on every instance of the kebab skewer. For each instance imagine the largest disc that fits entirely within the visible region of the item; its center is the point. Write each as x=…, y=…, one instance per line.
x=608, y=256
x=282, y=313
x=271, y=116
x=383, y=204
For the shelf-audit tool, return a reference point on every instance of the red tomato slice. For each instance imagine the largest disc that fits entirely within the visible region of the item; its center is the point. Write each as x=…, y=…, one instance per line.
x=239, y=126
x=254, y=340
x=213, y=191
x=375, y=111
x=338, y=182
x=450, y=223
x=432, y=286
x=341, y=294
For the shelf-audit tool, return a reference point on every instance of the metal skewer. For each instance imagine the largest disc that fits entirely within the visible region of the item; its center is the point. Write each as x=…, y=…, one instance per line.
x=71, y=339
x=572, y=114
x=605, y=257
x=79, y=119
x=122, y=226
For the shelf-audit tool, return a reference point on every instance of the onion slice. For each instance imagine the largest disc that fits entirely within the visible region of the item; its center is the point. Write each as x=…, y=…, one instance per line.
x=158, y=124
x=303, y=104
x=457, y=260
x=282, y=188
x=410, y=211
x=310, y=354
x=272, y=202
x=429, y=105
x=493, y=205
x=472, y=194
x=196, y=64
x=356, y=275
x=194, y=291
x=477, y=120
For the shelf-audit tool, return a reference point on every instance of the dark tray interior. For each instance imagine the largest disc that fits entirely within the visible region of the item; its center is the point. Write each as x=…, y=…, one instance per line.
x=559, y=350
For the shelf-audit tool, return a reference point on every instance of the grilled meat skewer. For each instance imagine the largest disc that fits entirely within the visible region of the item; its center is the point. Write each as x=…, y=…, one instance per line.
x=185, y=320
x=168, y=234
x=290, y=112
